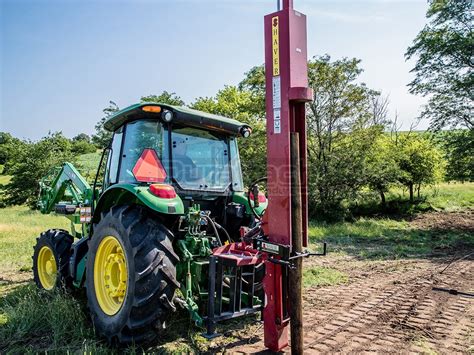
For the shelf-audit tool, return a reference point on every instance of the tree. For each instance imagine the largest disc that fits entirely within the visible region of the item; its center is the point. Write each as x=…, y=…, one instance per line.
x=5, y=141
x=444, y=67
x=30, y=163
x=82, y=137
x=102, y=137
x=254, y=83
x=340, y=120
x=9, y=149
x=81, y=144
x=458, y=146
x=420, y=161
x=7, y=144
x=164, y=98
x=82, y=147
x=381, y=168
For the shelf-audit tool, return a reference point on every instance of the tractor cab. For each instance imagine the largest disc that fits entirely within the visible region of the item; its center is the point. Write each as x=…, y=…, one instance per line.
x=183, y=156
x=193, y=151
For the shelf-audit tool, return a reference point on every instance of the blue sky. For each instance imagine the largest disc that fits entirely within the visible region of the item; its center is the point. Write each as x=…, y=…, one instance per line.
x=62, y=61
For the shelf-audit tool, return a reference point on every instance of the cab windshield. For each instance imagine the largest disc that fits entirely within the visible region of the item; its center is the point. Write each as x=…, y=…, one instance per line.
x=200, y=159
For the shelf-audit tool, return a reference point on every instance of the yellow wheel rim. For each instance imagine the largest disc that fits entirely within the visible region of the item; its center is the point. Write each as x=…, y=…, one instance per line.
x=110, y=275
x=47, y=268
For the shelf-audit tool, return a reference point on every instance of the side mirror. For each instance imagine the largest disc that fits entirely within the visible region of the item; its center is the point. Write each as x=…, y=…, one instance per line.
x=255, y=192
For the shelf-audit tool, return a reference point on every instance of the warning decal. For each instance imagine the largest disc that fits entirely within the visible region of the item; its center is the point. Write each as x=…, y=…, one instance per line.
x=275, y=46
x=276, y=121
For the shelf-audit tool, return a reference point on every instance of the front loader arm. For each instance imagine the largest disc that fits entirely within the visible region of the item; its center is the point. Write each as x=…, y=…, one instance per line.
x=60, y=183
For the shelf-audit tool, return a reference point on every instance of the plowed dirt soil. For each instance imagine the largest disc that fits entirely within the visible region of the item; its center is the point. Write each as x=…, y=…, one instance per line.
x=389, y=306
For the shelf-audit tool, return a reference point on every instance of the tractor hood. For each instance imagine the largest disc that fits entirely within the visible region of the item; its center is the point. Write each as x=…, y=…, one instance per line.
x=180, y=115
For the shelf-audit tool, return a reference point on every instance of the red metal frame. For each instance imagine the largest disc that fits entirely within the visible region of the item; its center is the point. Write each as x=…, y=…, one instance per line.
x=286, y=92
x=242, y=253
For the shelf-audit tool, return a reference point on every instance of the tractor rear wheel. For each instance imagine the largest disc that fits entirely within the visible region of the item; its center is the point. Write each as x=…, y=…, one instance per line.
x=51, y=259
x=131, y=275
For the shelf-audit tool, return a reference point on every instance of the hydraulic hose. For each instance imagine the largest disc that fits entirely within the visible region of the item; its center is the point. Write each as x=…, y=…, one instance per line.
x=213, y=225
x=225, y=232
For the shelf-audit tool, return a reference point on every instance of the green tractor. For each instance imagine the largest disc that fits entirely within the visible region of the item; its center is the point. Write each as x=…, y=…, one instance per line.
x=167, y=194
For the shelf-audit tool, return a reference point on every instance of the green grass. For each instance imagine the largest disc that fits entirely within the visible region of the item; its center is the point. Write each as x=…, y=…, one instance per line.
x=371, y=238
x=19, y=227
x=33, y=321
x=447, y=197
x=452, y=196
x=323, y=276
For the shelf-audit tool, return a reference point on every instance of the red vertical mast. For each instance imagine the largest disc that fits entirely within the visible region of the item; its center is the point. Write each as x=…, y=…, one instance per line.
x=286, y=92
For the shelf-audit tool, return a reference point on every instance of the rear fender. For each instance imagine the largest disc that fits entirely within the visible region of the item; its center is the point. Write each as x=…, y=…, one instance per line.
x=121, y=194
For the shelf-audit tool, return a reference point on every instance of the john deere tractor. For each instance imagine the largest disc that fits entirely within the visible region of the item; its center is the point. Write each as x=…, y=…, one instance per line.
x=167, y=196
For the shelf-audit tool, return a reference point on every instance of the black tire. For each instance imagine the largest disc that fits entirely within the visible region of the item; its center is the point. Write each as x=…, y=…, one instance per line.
x=151, y=281
x=59, y=241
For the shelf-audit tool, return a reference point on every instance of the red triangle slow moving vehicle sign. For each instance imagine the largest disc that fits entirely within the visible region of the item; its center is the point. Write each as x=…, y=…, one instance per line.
x=149, y=168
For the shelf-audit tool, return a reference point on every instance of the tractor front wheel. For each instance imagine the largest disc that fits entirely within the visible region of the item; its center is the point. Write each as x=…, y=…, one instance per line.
x=51, y=259
x=131, y=275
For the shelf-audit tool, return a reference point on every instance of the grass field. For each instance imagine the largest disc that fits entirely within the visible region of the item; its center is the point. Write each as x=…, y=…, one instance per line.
x=33, y=321
x=371, y=238
x=449, y=197
x=452, y=196
x=19, y=228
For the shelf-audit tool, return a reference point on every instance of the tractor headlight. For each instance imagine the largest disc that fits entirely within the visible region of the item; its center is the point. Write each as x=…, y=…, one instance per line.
x=167, y=116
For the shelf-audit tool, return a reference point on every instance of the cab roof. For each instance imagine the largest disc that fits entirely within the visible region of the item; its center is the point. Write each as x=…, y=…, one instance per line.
x=181, y=115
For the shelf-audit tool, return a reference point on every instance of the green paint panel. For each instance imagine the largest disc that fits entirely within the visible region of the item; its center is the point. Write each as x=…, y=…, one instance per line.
x=173, y=206
x=241, y=198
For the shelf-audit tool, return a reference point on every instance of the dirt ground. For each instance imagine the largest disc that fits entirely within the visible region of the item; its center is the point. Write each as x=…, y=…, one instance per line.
x=390, y=306
x=461, y=221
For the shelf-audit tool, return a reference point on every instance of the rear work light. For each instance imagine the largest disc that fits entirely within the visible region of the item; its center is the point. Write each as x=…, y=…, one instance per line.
x=245, y=132
x=163, y=190
x=154, y=109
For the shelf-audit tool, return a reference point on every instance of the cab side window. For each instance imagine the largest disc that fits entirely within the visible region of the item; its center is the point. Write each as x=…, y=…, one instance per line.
x=114, y=157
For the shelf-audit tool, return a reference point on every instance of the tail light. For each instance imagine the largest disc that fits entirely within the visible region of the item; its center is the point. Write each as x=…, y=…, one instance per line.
x=163, y=190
